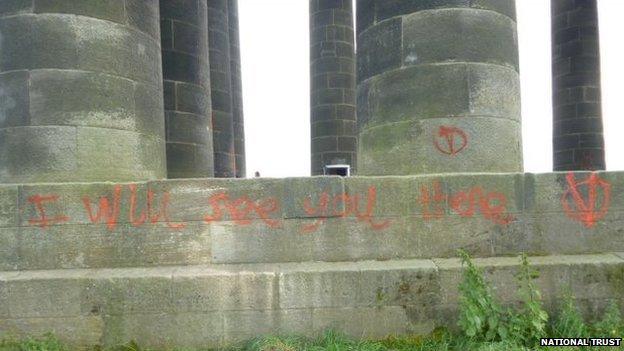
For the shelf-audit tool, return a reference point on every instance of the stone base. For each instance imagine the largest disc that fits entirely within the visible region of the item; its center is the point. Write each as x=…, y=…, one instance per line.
x=219, y=305
x=328, y=219
x=210, y=262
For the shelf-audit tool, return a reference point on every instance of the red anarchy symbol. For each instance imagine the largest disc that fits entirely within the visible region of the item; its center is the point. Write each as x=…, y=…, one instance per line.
x=450, y=140
x=584, y=209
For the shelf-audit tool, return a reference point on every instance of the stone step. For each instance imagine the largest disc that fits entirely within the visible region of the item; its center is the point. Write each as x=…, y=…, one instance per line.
x=203, y=221
x=218, y=305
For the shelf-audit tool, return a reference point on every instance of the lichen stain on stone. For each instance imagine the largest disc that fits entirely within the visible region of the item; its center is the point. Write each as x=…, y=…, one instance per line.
x=411, y=59
x=141, y=49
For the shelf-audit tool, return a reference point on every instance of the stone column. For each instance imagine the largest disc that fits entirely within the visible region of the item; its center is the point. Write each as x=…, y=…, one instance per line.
x=438, y=87
x=220, y=85
x=80, y=91
x=237, y=89
x=332, y=81
x=578, y=142
x=186, y=71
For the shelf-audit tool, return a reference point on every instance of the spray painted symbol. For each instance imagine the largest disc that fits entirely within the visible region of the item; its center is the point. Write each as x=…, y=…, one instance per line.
x=587, y=210
x=450, y=140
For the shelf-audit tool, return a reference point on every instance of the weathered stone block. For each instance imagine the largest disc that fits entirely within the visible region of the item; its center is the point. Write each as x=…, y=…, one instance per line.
x=26, y=39
x=216, y=306
x=169, y=95
x=324, y=239
x=566, y=218
x=499, y=271
x=558, y=233
x=148, y=104
x=166, y=34
x=319, y=285
x=38, y=296
x=192, y=99
x=546, y=192
x=224, y=162
x=181, y=10
x=143, y=15
x=97, y=246
x=188, y=128
x=443, y=237
x=432, y=92
x=135, y=156
x=223, y=141
x=181, y=160
x=241, y=326
x=382, y=197
x=302, y=197
x=517, y=236
x=9, y=252
x=399, y=283
x=494, y=91
x=82, y=98
x=369, y=323
x=80, y=332
x=204, y=290
x=38, y=154
x=598, y=276
x=380, y=238
x=14, y=99
x=497, y=191
x=8, y=206
x=259, y=242
x=165, y=330
x=438, y=145
x=111, y=10
x=189, y=39
x=181, y=67
x=380, y=152
x=365, y=14
x=464, y=35
x=392, y=8
x=4, y=297
x=127, y=292
x=10, y=7
x=204, y=201
x=379, y=49
x=86, y=44
x=114, y=49
x=93, y=203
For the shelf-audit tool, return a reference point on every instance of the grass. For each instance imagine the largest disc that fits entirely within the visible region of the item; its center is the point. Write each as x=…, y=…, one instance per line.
x=329, y=341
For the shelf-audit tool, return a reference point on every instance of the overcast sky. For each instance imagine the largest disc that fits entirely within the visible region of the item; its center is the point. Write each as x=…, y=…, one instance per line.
x=275, y=68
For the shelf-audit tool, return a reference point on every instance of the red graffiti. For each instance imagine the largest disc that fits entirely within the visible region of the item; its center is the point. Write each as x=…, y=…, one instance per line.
x=148, y=214
x=586, y=210
x=437, y=200
x=44, y=221
x=491, y=205
x=450, y=140
x=244, y=211
x=108, y=210
x=331, y=207
x=105, y=210
x=241, y=209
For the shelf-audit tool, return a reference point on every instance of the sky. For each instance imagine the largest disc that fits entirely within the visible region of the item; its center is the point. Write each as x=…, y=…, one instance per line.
x=276, y=84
